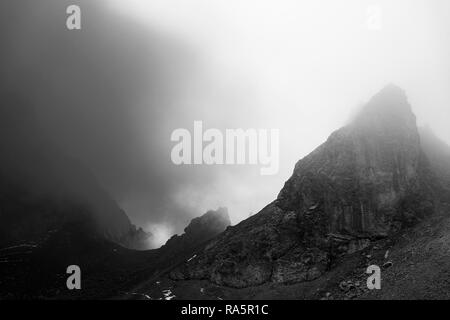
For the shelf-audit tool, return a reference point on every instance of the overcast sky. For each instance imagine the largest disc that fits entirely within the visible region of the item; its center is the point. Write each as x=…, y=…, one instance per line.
x=113, y=92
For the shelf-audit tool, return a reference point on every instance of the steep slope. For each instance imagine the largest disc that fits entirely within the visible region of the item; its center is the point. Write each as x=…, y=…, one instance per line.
x=41, y=188
x=415, y=264
x=368, y=181
x=438, y=153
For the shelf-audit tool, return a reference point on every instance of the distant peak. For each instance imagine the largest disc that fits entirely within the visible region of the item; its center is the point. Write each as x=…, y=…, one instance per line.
x=392, y=97
x=392, y=88
x=389, y=104
x=212, y=219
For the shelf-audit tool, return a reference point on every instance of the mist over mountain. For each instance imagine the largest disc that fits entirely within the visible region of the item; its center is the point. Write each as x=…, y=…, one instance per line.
x=369, y=182
x=100, y=95
x=373, y=193
x=42, y=189
x=111, y=94
x=87, y=177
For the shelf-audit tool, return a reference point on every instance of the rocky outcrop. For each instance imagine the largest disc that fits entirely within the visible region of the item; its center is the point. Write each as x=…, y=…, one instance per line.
x=360, y=182
x=199, y=230
x=369, y=180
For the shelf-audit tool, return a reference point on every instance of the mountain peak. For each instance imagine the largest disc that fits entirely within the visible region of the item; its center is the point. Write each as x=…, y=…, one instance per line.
x=388, y=109
x=367, y=181
x=213, y=219
x=392, y=88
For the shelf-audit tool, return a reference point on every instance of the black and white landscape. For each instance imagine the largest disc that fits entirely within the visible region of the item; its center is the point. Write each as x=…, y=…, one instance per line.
x=353, y=98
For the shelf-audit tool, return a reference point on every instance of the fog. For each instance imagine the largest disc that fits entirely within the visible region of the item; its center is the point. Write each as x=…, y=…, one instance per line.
x=112, y=93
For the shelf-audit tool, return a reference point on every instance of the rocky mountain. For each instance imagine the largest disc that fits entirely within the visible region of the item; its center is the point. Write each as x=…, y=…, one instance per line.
x=42, y=189
x=370, y=181
x=376, y=192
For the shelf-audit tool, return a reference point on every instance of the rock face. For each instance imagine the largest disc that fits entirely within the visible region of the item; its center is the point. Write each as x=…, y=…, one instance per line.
x=199, y=230
x=369, y=180
x=42, y=189
x=362, y=180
